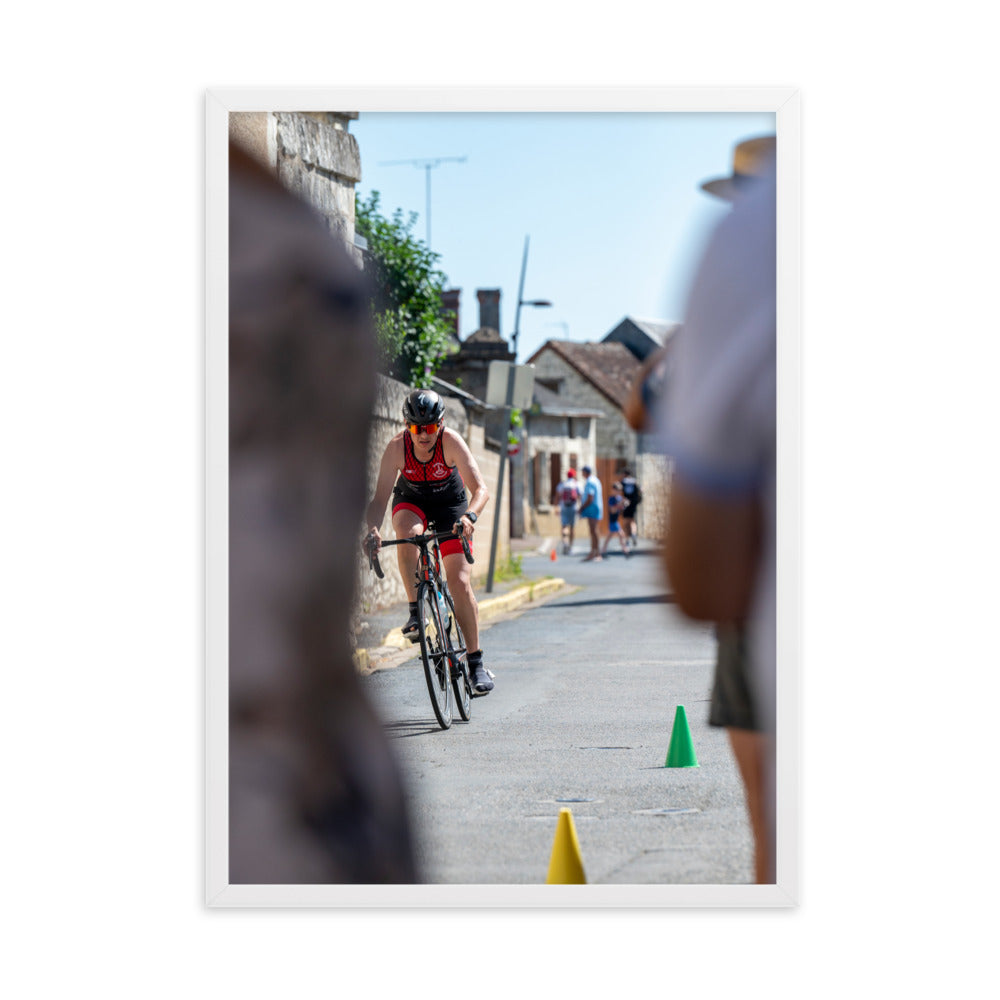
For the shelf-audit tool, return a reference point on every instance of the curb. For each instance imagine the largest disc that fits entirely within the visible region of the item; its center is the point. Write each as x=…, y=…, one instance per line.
x=489, y=608
x=521, y=595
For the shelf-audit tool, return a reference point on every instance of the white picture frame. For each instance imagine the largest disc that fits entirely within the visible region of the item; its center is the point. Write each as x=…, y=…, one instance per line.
x=785, y=103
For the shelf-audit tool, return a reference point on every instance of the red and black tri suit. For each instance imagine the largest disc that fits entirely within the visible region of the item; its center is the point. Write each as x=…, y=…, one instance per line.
x=433, y=490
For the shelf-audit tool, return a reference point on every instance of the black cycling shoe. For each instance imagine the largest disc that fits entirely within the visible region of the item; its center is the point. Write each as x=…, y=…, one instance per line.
x=480, y=679
x=411, y=630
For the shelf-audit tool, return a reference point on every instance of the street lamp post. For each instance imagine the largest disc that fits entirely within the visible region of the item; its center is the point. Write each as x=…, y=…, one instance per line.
x=517, y=311
x=506, y=411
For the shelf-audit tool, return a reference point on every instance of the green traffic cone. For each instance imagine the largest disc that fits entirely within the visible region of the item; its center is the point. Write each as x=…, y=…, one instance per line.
x=681, y=750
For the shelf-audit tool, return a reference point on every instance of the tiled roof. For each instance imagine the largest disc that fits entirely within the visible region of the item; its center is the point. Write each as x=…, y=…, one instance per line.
x=609, y=367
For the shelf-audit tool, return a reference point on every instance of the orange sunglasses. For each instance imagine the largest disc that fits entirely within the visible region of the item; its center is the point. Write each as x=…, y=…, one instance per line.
x=423, y=428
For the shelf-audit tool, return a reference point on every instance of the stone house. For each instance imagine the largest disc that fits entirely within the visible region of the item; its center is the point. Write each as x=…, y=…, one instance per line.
x=594, y=377
x=598, y=377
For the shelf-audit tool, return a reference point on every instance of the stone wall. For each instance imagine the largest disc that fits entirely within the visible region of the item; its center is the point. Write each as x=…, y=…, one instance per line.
x=313, y=155
x=653, y=473
x=386, y=423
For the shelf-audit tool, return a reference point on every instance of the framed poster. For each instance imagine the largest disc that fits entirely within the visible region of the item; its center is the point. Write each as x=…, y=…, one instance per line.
x=615, y=188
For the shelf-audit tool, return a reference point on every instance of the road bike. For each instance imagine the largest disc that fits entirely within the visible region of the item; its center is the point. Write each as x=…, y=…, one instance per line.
x=442, y=645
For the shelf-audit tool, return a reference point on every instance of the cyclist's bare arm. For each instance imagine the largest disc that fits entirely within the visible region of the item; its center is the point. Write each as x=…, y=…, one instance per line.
x=392, y=462
x=456, y=452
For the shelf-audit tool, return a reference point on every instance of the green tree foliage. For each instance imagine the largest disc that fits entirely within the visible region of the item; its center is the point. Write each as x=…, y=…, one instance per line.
x=410, y=322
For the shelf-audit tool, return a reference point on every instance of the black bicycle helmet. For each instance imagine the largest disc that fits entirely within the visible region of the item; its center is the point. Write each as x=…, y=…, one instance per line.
x=423, y=406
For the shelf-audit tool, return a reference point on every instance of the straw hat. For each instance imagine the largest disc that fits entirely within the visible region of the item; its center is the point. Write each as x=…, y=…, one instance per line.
x=751, y=158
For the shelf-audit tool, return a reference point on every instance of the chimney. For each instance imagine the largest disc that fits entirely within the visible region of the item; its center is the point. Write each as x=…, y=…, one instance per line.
x=449, y=299
x=489, y=308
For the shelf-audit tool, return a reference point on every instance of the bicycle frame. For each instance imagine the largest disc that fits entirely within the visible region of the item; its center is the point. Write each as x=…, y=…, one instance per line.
x=444, y=660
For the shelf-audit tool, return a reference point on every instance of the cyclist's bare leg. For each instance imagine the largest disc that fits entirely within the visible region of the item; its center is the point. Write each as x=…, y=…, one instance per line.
x=459, y=575
x=406, y=524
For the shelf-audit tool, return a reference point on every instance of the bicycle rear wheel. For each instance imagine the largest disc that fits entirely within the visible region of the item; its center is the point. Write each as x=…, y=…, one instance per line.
x=458, y=655
x=434, y=654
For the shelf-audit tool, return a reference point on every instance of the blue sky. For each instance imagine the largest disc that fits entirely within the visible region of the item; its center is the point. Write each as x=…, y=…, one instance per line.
x=610, y=202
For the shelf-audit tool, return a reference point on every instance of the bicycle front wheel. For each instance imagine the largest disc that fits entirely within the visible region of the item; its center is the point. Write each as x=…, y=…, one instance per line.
x=459, y=657
x=434, y=653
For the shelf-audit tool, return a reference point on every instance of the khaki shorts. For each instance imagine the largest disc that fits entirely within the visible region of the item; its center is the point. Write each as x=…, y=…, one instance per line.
x=732, y=703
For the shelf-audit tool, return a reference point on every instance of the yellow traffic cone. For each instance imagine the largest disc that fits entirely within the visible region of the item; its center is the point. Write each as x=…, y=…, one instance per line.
x=566, y=865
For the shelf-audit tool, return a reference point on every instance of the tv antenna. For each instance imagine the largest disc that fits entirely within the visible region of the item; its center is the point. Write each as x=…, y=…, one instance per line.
x=428, y=165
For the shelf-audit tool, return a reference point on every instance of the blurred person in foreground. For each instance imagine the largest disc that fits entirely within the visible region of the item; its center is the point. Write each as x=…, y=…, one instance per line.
x=315, y=795
x=718, y=424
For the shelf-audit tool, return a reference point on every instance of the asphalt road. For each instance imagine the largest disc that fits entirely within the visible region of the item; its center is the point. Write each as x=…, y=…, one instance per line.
x=587, y=687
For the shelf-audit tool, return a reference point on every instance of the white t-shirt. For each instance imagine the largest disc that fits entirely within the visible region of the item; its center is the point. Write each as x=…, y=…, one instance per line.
x=568, y=493
x=719, y=419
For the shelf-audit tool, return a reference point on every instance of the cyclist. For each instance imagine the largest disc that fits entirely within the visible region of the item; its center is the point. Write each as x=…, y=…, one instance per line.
x=426, y=467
